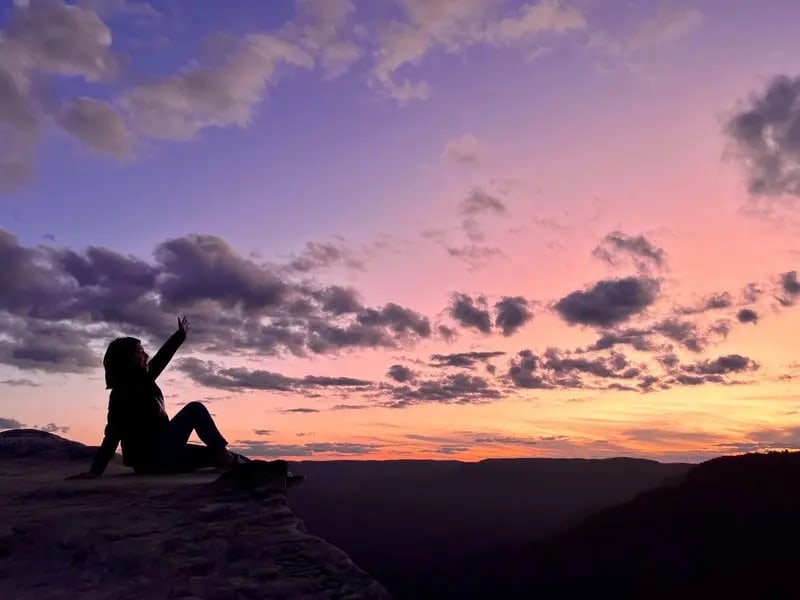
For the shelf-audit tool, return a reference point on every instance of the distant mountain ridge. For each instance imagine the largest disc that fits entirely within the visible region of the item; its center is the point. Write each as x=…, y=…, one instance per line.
x=435, y=512
x=729, y=529
x=34, y=443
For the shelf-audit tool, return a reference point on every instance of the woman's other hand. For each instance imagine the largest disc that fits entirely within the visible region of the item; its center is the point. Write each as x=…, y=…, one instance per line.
x=183, y=324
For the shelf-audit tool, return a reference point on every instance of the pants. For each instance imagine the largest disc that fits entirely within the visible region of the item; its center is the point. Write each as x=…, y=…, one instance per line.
x=176, y=455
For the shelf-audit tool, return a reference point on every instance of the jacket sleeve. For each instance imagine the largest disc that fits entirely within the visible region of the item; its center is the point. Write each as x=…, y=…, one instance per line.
x=111, y=437
x=160, y=361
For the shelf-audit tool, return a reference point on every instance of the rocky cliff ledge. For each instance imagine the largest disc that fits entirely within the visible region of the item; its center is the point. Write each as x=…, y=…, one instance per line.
x=125, y=536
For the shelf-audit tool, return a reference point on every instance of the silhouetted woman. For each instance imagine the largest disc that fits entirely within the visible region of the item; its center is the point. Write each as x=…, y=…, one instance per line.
x=151, y=441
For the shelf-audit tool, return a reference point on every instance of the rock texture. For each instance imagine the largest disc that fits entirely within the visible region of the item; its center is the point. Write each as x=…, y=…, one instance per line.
x=195, y=536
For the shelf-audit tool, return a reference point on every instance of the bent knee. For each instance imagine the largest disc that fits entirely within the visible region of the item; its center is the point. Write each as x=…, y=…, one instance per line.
x=196, y=406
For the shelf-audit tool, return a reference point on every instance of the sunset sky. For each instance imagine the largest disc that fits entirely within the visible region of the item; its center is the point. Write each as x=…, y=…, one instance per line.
x=450, y=229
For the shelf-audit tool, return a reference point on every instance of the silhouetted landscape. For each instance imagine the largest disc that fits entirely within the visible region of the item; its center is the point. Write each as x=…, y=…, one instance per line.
x=729, y=529
x=417, y=529
x=395, y=518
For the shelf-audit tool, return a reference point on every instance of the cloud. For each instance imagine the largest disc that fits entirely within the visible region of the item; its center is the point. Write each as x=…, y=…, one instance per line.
x=263, y=431
x=766, y=138
x=723, y=365
x=463, y=359
x=399, y=319
x=473, y=208
x=211, y=375
x=638, y=339
x=463, y=149
x=204, y=267
x=512, y=313
x=52, y=428
x=642, y=251
x=62, y=39
x=670, y=23
x=706, y=371
x=43, y=39
x=716, y=301
x=666, y=436
x=608, y=302
x=536, y=18
x=789, y=288
x=178, y=107
x=453, y=25
x=128, y=8
x=747, y=315
x=470, y=313
x=6, y=423
x=19, y=383
x=301, y=410
x=474, y=255
x=320, y=27
x=322, y=255
x=448, y=334
x=272, y=450
x=236, y=304
x=338, y=300
x=456, y=388
x=452, y=449
x=480, y=202
x=98, y=125
x=44, y=346
x=401, y=373
x=682, y=331
x=557, y=369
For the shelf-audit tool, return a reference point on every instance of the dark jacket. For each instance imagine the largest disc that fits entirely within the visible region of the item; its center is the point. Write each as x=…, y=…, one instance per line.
x=136, y=414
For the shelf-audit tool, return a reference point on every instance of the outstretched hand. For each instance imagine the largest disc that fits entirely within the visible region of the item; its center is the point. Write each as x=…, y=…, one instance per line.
x=183, y=324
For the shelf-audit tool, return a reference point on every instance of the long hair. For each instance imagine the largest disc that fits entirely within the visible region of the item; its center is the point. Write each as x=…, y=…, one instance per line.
x=118, y=361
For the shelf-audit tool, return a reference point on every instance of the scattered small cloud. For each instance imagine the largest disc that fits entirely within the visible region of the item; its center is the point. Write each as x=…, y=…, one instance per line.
x=608, y=302
x=19, y=383
x=6, y=423
x=670, y=23
x=765, y=137
x=260, y=448
x=463, y=149
x=322, y=255
x=512, y=313
x=466, y=360
x=456, y=388
x=471, y=313
x=747, y=315
x=644, y=254
x=52, y=428
x=401, y=373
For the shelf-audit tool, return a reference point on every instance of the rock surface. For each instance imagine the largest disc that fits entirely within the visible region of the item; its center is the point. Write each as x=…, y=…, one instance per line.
x=194, y=536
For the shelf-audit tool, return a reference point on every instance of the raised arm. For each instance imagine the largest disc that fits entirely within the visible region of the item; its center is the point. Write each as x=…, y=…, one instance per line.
x=160, y=361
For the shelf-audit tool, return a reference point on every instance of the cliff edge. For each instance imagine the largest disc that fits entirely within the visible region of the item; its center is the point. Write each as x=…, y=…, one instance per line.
x=188, y=537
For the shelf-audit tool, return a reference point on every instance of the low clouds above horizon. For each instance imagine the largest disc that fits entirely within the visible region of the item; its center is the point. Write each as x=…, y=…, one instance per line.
x=58, y=304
